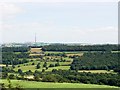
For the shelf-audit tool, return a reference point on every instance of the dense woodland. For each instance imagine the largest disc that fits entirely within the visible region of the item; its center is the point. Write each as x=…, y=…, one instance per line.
x=15, y=49
x=96, y=61
x=62, y=47
x=88, y=78
x=10, y=58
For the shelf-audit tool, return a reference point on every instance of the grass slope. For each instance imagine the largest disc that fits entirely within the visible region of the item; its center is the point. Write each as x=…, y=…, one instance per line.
x=33, y=67
x=33, y=84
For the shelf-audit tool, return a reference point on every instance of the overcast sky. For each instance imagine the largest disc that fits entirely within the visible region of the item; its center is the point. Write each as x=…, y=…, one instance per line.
x=63, y=22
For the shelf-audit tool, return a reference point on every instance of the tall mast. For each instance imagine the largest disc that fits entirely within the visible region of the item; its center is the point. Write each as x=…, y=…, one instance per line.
x=35, y=38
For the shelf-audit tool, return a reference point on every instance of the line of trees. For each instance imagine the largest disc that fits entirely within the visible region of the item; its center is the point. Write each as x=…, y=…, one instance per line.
x=96, y=61
x=68, y=76
x=15, y=49
x=64, y=47
x=12, y=58
x=87, y=78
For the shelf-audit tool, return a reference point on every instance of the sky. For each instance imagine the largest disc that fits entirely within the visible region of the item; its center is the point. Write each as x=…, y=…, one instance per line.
x=59, y=22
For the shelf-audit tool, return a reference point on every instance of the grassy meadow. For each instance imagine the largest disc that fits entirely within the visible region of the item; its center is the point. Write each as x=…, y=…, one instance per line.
x=33, y=84
x=29, y=66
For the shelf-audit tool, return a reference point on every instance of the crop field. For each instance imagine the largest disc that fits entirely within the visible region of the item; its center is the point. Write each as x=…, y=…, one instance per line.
x=3, y=65
x=35, y=50
x=97, y=71
x=66, y=52
x=35, y=54
x=115, y=51
x=72, y=54
x=33, y=84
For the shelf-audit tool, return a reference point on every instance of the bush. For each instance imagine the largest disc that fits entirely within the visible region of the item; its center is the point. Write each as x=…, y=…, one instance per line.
x=11, y=76
x=57, y=64
x=38, y=66
x=33, y=63
x=49, y=78
x=52, y=65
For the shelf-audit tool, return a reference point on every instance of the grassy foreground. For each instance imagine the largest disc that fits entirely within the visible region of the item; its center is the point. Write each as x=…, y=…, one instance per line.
x=33, y=84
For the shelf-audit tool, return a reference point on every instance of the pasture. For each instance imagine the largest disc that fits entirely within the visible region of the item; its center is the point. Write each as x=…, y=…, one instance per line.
x=28, y=66
x=33, y=84
x=70, y=53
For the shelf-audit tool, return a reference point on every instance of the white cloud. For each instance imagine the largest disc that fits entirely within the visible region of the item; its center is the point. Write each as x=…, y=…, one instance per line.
x=9, y=10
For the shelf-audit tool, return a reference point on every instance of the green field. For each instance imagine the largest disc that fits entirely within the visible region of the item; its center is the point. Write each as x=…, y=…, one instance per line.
x=28, y=66
x=33, y=84
x=59, y=67
x=80, y=53
x=32, y=68
x=68, y=52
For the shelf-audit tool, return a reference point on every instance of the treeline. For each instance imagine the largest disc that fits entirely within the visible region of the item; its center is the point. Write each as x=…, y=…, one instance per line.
x=63, y=47
x=14, y=59
x=68, y=76
x=87, y=78
x=15, y=49
x=96, y=61
x=14, y=55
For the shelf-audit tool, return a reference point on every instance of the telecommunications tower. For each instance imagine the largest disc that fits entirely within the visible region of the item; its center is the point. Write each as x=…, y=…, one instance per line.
x=35, y=39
